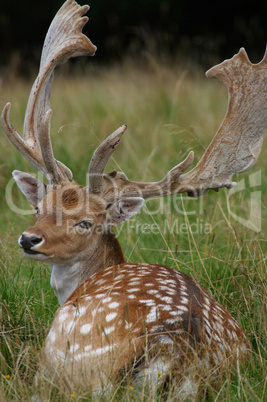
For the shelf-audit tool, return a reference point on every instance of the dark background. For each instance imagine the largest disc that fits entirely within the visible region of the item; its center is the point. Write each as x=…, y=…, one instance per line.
x=203, y=31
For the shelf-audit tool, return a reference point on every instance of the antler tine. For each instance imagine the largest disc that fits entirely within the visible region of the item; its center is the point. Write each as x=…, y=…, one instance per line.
x=64, y=40
x=234, y=149
x=100, y=159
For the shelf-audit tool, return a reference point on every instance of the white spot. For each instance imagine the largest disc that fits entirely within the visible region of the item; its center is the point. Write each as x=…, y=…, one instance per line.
x=133, y=290
x=171, y=292
x=51, y=336
x=207, y=301
x=180, y=310
x=217, y=318
x=60, y=355
x=208, y=338
x=216, y=337
x=82, y=310
x=215, y=358
x=149, y=284
x=166, y=340
x=184, y=300
x=219, y=327
x=134, y=283
x=171, y=320
x=229, y=333
x=131, y=297
x=119, y=277
x=129, y=265
x=101, y=351
x=208, y=330
x=234, y=335
x=164, y=288
x=165, y=307
x=207, y=322
x=167, y=299
x=100, y=282
x=109, y=330
x=111, y=316
x=73, y=348
x=171, y=282
x=100, y=295
x=161, y=275
x=62, y=317
x=152, y=316
x=156, y=328
x=128, y=325
x=183, y=308
x=70, y=326
x=85, y=329
x=227, y=346
x=106, y=273
x=205, y=313
x=148, y=302
x=87, y=348
x=114, y=305
x=65, y=309
x=220, y=355
x=219, y=308
x=106, y=300
x=152, y=291
x=232, y=323
x=221, y=346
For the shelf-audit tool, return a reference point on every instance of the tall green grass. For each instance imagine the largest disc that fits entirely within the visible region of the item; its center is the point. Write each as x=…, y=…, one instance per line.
x=169, y=110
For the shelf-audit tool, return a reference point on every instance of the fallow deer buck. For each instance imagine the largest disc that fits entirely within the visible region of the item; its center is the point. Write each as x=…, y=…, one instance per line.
x=116, y=316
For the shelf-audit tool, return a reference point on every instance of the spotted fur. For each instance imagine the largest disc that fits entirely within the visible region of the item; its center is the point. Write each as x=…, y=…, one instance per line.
x=128, y=313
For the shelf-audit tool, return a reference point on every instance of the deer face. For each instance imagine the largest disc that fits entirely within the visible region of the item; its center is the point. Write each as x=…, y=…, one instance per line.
x=70, y=222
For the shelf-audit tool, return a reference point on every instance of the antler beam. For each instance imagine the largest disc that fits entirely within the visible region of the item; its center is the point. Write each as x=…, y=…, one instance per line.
x=64, y=40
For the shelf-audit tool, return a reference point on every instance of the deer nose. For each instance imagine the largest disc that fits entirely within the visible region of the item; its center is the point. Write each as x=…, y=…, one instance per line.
x=28, y=242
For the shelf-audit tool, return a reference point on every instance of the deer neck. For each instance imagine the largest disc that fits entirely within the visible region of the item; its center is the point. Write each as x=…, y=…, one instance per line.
x=66, y=278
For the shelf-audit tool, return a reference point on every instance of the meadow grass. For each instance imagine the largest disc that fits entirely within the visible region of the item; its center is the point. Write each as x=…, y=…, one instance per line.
x=169, y=111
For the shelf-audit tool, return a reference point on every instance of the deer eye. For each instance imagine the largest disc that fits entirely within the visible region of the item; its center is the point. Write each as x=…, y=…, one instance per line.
x=37, y=211
x=85, y=224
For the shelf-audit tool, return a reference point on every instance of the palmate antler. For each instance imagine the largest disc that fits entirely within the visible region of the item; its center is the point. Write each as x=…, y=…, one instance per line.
x=64, y=40
x=234, y=149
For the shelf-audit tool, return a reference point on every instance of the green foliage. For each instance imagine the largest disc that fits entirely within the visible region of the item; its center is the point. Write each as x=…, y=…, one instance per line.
x=169, y=111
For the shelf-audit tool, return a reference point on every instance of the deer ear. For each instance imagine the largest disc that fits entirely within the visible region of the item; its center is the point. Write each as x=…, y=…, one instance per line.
x=122, y=210
x=33, y=188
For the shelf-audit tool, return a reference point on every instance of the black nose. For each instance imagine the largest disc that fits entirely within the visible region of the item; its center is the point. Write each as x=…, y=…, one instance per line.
x=27, y=242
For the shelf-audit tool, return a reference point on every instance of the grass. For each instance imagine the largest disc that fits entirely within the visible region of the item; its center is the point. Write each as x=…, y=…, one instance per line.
x=169, y=110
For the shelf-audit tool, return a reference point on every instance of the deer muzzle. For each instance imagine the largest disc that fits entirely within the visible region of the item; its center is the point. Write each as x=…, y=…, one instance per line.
x=30, y=243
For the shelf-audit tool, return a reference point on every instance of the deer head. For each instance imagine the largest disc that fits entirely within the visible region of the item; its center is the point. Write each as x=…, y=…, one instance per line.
x=73, y=222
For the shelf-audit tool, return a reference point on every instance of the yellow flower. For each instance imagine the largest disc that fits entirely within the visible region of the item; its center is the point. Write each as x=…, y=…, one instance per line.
x=130, y=387
x=159, y=373
x=72, y=395
x=7, y=376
